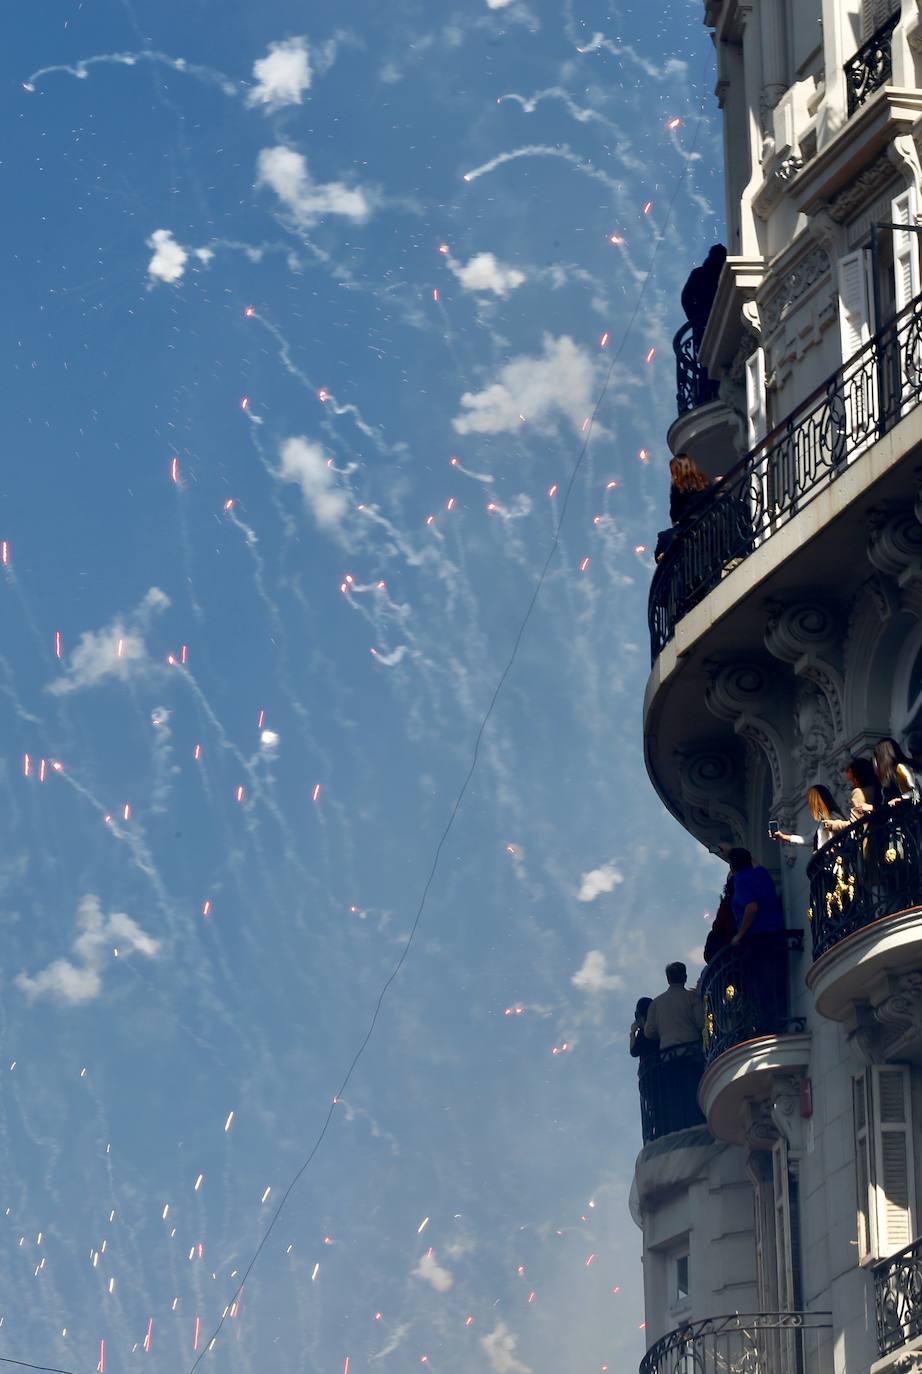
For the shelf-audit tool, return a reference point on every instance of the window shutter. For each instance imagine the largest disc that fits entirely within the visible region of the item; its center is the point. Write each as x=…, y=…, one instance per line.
x=894, y=1182
x=854, y=303
x=783, y=1235
x=905, y=250
x=873, y=14
x=866, y=1245
x=756, y=417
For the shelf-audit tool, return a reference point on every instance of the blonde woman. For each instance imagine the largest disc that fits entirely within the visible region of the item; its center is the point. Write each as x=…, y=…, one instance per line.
x=823, y=810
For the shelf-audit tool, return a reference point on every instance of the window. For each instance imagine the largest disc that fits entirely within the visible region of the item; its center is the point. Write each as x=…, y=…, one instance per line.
x=677, y=1271
x=884, y=1161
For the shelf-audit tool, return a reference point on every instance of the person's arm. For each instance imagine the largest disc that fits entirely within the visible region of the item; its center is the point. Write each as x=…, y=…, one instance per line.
x=633, y=1044
x=749, y=915
x=650, y=1028
x=784, y=838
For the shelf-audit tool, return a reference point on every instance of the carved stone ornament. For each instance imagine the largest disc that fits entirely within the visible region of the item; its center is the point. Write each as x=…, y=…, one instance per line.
x=785, y=1110
x=793, y=284
x=744, y=694
x=780, y=168
x=903, y=1007
x=759, y=1129
x=861, y=189
x=710, y=784
x=895, y=547
x=816, y=734
x=807, y=635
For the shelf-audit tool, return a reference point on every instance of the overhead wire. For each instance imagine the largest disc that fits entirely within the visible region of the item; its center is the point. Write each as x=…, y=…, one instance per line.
x=510, y=661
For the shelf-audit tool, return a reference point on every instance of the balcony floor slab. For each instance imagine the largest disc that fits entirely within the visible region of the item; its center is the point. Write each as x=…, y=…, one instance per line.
x=744, y=1074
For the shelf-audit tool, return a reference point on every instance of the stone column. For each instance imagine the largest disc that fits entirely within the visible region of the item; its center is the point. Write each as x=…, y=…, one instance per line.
x=774, y=57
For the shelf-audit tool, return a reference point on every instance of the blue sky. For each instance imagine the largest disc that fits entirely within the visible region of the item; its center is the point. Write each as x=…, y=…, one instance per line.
x=306, y=318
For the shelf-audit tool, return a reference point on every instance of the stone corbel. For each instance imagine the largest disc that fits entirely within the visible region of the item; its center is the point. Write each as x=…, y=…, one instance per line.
x=864, y=1038
x=708, y=780
x=901, y=1008
x=895, y=549
x=806, y=636
x=759, y=1129
x=785, y=1111
x=742, y=694
x=914, y=31
x=904, y=155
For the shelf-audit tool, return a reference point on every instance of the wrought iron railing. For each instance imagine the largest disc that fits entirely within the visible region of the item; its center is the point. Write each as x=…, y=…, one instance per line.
x=668, y=1084
x=745, y=991
x=898, y=1297
x=760, y=1343
x=790, y=468
x=693, y=386
x=872, y=65
x=871, y=870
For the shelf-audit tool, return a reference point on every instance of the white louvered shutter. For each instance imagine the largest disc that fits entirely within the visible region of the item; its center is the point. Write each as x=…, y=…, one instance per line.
x=756, y=429
x=854, y=303
x=873, y=14
x=867, y=1248
x=905, y=250
x=857, y=413
x=894, y=1182
x=784, y=1258
x=756, y=414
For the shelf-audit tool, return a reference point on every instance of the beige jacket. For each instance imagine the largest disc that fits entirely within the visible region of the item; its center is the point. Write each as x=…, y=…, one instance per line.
x=676, y=1017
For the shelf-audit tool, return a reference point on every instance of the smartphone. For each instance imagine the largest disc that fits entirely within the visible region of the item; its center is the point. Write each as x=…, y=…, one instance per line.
x=773, y=827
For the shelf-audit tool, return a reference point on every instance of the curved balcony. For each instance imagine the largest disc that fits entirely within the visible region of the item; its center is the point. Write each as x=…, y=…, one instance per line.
x=872, y=65
x=767, y=1342
x=795, y=464
x=750, y=1036
x=693, y=385
x=668, y=1084
x=866, y=908
x=898, y=1299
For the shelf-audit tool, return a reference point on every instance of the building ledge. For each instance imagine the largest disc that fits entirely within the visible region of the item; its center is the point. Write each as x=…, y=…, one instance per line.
x=903, y=1361
x=872, y=129
x=744, y=1075
x=849, y=973
x=739, y=282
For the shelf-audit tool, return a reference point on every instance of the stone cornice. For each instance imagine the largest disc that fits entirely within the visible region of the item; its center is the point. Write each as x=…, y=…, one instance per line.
x=890, y=112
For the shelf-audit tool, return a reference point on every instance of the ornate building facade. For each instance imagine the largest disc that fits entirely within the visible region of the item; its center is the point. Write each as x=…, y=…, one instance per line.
x=783, y=1234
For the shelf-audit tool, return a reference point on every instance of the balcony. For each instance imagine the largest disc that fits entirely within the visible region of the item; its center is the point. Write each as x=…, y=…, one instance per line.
x=898, y=1299
x=872, y=65
x=866, y=909
x=795, y=464
x=668, y=1085
x=767, y=1342
x=750, y=1037
x=693, y=385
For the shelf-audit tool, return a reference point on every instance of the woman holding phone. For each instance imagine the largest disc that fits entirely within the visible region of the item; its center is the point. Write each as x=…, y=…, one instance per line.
x=824, y=811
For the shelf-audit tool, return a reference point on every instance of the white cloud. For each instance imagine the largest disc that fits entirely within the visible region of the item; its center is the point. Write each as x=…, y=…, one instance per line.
x=498, y=4
x=432, y=1272
x=79, y=979
x=304, y=463
x=485, y=272
x=286, y=173
x=598, y=880
x=169, y=261
x=500, y=1350
x=533, y=390
x=282, y=76
x=594, y=975
x=117, y=651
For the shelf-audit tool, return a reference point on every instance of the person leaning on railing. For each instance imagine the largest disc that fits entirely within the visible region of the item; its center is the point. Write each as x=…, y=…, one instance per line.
x=865, y=796
x=895, y=773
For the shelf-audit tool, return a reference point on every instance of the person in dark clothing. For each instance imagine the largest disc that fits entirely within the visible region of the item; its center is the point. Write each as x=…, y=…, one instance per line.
x=688, y=488
x=699, y=291
x=638, y=1045
x=895, y=772
x=724, y=927
x=756, y=909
